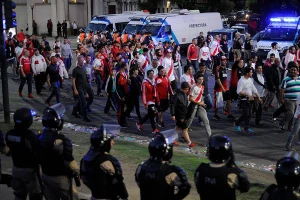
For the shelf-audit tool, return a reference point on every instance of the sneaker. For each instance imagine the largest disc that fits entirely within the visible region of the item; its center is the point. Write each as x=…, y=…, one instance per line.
x=30, y=96
x=273, y=118
x=161, y=125
x=216, y=117
x=231, y=117
x=183, y=140
x=200, y=124
x=248, y=130
x=237, y=128
x=20, y=94
x=176, y=143
x=155, y=131
x=289, y=148
x=139, y=126
x=193, y=144
x=281, y=128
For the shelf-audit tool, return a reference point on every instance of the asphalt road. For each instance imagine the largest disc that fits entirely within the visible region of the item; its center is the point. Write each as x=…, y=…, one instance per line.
x=265, y=143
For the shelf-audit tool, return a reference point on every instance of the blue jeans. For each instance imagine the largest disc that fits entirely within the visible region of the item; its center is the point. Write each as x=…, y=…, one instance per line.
x=67, y=62
x=55, y=92
x=99, y=81
x=295, y=131
x=28, y=78
x=195, y=65
x=82, y=103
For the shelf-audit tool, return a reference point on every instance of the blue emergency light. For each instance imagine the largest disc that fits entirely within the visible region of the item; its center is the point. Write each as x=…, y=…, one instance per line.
x=284, y=19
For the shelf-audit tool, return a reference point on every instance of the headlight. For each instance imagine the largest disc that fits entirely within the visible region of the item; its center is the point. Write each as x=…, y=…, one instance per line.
x=247, y=16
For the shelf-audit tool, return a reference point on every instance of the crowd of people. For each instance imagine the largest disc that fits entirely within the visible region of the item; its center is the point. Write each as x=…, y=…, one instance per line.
x=102, y=173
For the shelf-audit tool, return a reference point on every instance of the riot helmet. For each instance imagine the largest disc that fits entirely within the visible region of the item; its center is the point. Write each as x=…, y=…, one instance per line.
x=288, y=172
x=23, y=118
x=101, y=138
x=53, y=116
x=161, y=146
x=219, y=149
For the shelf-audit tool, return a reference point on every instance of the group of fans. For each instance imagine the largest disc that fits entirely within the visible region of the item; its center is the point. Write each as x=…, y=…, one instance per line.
x=102, y=173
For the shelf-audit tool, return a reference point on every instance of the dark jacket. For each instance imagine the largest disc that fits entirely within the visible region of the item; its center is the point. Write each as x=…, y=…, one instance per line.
x=135, y=85
x=179, y=105
x=274, y=78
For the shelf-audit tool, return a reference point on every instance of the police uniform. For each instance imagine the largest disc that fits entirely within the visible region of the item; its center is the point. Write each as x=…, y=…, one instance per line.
x=156, y=178
x=4, y=150
x=23, y=146
x=218, y=181
x=220, y=178
x=56, y=159
x=99, y=169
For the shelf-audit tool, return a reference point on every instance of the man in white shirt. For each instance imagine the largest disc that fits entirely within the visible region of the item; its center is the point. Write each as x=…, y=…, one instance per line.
x=153, y=67
x=245, y=90
x=143, y=60
x=259, y=83
x=74, y=25
x=290, y=56
x=274, y=50
x=188, y=76
x=38, y=65
x=215, y=50
x=18, y=51
x=66, y=53
x=168, y=64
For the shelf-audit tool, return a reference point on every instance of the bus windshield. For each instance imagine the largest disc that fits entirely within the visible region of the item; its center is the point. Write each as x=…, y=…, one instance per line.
x=153, y=28
x=95, y=27
x=133, y=28
x=279, y=34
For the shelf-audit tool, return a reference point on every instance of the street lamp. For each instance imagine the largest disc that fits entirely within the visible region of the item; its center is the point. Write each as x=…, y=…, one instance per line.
x=32, y=6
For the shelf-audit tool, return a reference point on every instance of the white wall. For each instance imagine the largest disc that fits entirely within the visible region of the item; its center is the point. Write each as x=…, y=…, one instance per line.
x=41, y=14
x=76, y=14
x=22, y=19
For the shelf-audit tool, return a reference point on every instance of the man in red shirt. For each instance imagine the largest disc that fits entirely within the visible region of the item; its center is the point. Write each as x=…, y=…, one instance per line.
x=163, y=88
x=21, y=36
x=25, y=74
x=221, y=90
x=150, y=98
x=192, y=54
x=116, y=49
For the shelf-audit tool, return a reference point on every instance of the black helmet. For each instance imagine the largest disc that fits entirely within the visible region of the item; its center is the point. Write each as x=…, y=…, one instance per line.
x=52, y=118
x=219, y=149
x=159, y=148
x=288, y=173
x=23, y=118
x=91, y=31
x=101, y=138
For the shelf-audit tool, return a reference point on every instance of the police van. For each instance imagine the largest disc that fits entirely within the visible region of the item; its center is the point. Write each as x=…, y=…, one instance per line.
x=136, y=24
x=283, y=30
x=181, y=27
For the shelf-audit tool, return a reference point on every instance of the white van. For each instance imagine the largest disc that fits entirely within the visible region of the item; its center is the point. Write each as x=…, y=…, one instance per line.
x=182, y=27
x=283, y=30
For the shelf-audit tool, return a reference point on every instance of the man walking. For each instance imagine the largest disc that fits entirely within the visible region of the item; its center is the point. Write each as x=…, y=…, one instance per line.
x=39, y=67
x=192, y=55
x=81, y=88
x=66, y=53
x=26, y=75
x=53, y=81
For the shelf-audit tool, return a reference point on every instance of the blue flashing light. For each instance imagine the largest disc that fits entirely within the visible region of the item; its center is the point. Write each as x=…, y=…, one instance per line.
x=289, y=20
x=275, y=20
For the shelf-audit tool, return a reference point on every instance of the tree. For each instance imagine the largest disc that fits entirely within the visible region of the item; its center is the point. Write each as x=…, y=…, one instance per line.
x=226, y=7
x=150, y=5
x=253, y=5
x=240, y=4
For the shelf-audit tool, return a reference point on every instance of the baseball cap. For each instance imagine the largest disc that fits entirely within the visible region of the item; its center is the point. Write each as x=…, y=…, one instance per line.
x=223, y=58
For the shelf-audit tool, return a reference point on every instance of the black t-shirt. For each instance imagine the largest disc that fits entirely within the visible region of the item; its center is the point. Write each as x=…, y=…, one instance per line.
x=224, y=45
x=81, y=79
x=53, y=71
x=221, y=73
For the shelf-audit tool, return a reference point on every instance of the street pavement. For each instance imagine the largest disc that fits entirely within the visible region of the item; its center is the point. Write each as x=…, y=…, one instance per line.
x=264, y=146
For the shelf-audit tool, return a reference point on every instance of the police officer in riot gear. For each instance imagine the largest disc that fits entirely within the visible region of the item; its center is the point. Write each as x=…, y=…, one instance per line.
x=288, y=179
x=156, y=177
x=4, y=178
x=100, y=171
x=23, y=143
x=221, y=177
x=56, y=157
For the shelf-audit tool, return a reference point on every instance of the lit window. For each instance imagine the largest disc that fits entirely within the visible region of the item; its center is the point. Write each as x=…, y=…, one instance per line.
x=45, y=1
x=73, y=1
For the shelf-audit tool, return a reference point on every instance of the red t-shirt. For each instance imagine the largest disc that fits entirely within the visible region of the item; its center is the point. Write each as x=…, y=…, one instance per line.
x=163, y=87
x=25, y=63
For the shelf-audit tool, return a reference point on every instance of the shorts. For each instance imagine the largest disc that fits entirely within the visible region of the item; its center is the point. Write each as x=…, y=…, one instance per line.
x=226, y=96
x=163, y=105
x=220, y=97
x=233, y=94
x=182, y=125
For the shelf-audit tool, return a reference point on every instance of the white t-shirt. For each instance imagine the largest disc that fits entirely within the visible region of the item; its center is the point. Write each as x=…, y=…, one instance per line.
x=97, y=63
x=195, y=92
x=187, y=78
x=204, y=54
x=168, y=64
x=246, y=86
x=142, y=60
x=74, y=26
x=260, y=89
x=275, y=52
x=297, y=112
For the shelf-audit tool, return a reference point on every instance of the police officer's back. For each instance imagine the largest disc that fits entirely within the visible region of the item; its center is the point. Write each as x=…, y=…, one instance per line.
x=100, y=171
x=4, y=178
x=56, y=157
x=221, y=177
x=288, y=180
x=156, y=178
x=22, y=143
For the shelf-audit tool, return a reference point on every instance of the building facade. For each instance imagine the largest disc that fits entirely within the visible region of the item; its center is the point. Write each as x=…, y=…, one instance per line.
x=80, y=11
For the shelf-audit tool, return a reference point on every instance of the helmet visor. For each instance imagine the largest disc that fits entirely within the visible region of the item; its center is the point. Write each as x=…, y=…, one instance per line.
x=110, y=130
x=59, y=108
x=170, y=136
